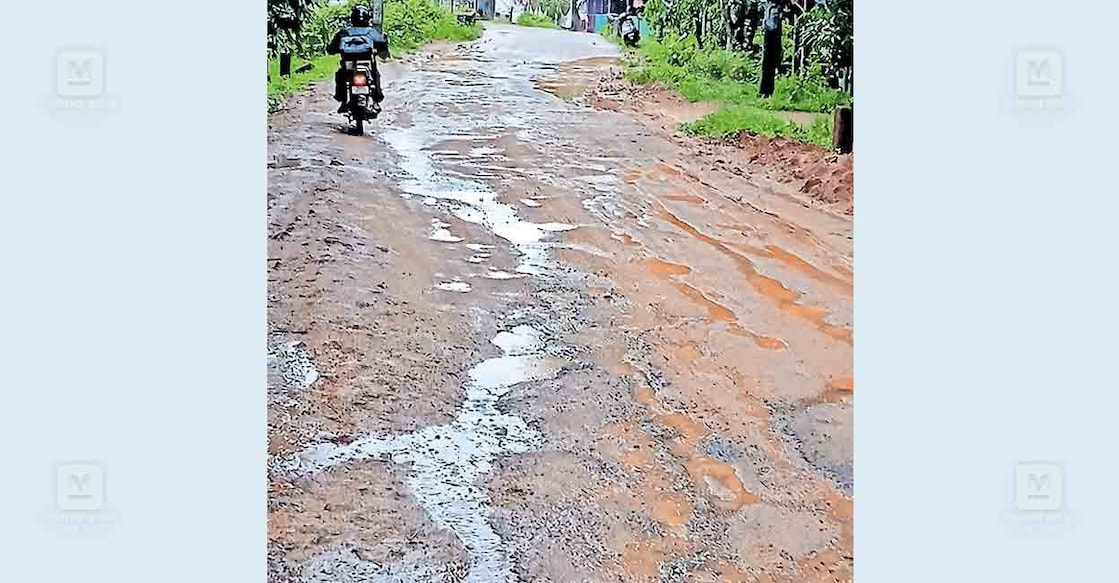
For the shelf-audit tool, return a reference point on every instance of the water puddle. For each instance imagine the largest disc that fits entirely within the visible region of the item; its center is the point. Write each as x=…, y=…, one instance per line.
x=292, y=363
x=476, y=202
x=441, y=232
x=498, y=274
x=446, y=462
x=454, y=286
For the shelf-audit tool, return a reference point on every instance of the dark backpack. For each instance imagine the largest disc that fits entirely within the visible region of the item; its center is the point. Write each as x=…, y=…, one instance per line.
x=361, y=41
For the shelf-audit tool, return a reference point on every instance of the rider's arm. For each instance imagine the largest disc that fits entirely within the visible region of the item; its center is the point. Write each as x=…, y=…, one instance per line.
x=380, y=44
x=335, y=45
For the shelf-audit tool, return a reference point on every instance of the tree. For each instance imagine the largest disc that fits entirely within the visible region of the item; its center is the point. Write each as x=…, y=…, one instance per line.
x=285, y=19
x=771, y=48
x=828, y=37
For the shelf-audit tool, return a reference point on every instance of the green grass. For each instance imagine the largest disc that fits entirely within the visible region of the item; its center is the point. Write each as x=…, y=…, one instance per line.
x=455, y=32
x=731, y=79
x=729, y=120
x=535, y=20
x=280, y=88
x=410, y=24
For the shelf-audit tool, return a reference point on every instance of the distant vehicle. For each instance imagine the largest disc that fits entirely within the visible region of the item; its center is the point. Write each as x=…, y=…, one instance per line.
x=625, y=25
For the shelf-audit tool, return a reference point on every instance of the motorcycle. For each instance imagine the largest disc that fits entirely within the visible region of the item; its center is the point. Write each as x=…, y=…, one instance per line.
x=360, y=47
x=360, y=82
x=627, y=29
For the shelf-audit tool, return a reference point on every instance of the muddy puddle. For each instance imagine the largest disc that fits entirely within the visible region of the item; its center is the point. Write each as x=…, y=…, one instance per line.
x=445, y=462
x=575, y=79
x=470, y=201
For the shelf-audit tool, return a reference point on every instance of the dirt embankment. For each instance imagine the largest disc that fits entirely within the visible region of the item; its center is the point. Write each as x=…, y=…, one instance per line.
x=824, y=177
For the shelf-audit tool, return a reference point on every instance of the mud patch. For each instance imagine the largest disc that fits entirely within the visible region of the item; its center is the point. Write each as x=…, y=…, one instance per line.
x=345, y=565
x=823, y=177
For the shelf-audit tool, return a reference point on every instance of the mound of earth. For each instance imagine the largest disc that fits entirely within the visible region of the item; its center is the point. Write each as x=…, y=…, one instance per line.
x=825, y=177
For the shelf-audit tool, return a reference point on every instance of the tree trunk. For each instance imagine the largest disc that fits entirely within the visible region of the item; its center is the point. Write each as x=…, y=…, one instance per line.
x=753, y=17
x=798, y=56
x=771, y=50
x=285, y=64
x=728, y=23
x=843, y=132
x=699, y=28
x=741, y=18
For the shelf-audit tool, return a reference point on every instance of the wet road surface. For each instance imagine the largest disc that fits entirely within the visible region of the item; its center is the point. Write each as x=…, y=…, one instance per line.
x=513, y=338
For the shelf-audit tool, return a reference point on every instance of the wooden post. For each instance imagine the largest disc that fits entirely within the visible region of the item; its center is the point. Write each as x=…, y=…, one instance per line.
x=843, y=132
x=285, y=64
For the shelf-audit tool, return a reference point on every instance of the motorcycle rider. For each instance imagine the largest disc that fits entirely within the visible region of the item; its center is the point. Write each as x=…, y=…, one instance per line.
x=360, y=19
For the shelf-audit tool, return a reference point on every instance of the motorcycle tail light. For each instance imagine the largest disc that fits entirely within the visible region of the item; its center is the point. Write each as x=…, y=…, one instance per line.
x=360, y=79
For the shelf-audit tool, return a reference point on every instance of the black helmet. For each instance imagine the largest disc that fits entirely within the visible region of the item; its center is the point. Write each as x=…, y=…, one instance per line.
x=360, y=16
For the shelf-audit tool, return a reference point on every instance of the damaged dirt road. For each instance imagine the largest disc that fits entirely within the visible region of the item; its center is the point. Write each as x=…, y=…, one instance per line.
x=514, y=338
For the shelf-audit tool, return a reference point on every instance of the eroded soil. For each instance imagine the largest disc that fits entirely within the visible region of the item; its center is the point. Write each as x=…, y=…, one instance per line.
x=822, y=178
x=515, y=338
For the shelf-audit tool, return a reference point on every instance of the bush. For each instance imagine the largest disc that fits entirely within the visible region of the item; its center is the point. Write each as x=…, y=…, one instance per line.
x=731, y=79
x=808, y=93
x=407, y=24
x=411, y=23
x=713, y=74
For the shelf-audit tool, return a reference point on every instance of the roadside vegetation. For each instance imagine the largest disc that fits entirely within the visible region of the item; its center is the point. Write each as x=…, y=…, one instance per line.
x=728, y=52
x=542, y=13
x=535, y=20
x=280, y=87
x=311, y=24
